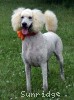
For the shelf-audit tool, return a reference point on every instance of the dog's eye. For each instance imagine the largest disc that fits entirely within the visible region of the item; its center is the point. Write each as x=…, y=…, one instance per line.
x=30, y=17
x=22, y=17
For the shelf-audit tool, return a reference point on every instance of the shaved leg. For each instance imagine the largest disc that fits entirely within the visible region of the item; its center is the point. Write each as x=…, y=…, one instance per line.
x=44, y=75
x=60, y=60
x=28, y=77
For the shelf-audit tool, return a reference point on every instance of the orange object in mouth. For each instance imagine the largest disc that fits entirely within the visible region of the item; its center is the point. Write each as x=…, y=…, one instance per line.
x=20, y=35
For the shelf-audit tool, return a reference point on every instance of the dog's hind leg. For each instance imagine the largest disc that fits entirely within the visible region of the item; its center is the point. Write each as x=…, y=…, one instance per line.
x=28, y=77
x=44, y=74
x=60, y=60
x=59, y=56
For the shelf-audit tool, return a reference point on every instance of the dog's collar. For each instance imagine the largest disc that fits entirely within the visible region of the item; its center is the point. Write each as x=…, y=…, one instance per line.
x=22, y=36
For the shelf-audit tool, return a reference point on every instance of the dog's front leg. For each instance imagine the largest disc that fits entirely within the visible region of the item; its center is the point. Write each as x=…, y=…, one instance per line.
x=28, y=78
x=44, y=74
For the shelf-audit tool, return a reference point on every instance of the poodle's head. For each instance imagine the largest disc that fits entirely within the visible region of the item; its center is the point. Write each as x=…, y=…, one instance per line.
x=27, y=20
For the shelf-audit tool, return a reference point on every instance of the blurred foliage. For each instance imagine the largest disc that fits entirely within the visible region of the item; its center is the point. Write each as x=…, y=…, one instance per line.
x=66, y=3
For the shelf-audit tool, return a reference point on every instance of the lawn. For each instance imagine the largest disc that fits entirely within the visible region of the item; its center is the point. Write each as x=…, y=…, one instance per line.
x=12, y=75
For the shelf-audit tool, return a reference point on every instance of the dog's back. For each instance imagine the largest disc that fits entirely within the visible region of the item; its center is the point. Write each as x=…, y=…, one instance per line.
x=53, y=41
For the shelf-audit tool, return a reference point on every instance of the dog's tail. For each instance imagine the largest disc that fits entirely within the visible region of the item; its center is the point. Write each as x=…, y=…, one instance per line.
x=50, y=21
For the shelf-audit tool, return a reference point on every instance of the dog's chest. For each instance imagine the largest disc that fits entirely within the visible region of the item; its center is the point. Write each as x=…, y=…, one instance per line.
x=34, y=51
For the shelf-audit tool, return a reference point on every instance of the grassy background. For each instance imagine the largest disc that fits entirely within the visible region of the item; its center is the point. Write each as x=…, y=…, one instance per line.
x=12, y=77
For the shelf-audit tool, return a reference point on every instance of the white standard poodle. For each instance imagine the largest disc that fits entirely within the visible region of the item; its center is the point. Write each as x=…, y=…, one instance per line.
x=37, y=47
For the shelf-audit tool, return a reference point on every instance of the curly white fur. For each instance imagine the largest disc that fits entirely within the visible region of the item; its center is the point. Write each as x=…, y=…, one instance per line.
x=16, y=19
x=38, y=19
x=51, y=21
x=37, y=49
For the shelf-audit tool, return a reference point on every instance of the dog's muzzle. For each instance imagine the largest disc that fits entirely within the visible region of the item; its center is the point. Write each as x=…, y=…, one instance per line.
x=24, y=25
x=26, y=29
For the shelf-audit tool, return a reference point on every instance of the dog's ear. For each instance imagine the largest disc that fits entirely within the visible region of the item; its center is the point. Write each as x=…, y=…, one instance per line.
x=38, y=20
x=16, y=19
x=51, y=21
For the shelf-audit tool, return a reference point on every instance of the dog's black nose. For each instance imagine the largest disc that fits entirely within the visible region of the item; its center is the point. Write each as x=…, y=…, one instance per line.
x=24, y=25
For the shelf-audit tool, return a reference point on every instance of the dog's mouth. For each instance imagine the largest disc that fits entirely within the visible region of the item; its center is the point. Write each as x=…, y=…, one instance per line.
x=26, y=30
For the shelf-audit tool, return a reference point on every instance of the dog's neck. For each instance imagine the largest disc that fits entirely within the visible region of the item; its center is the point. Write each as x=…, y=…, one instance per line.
x=22, y=36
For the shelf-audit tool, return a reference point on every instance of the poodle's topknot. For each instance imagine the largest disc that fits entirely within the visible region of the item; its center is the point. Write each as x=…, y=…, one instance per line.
x=50, y=21
x=16, y=19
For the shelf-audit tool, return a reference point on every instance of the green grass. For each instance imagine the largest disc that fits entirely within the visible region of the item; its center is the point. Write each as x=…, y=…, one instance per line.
x=12, y=75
